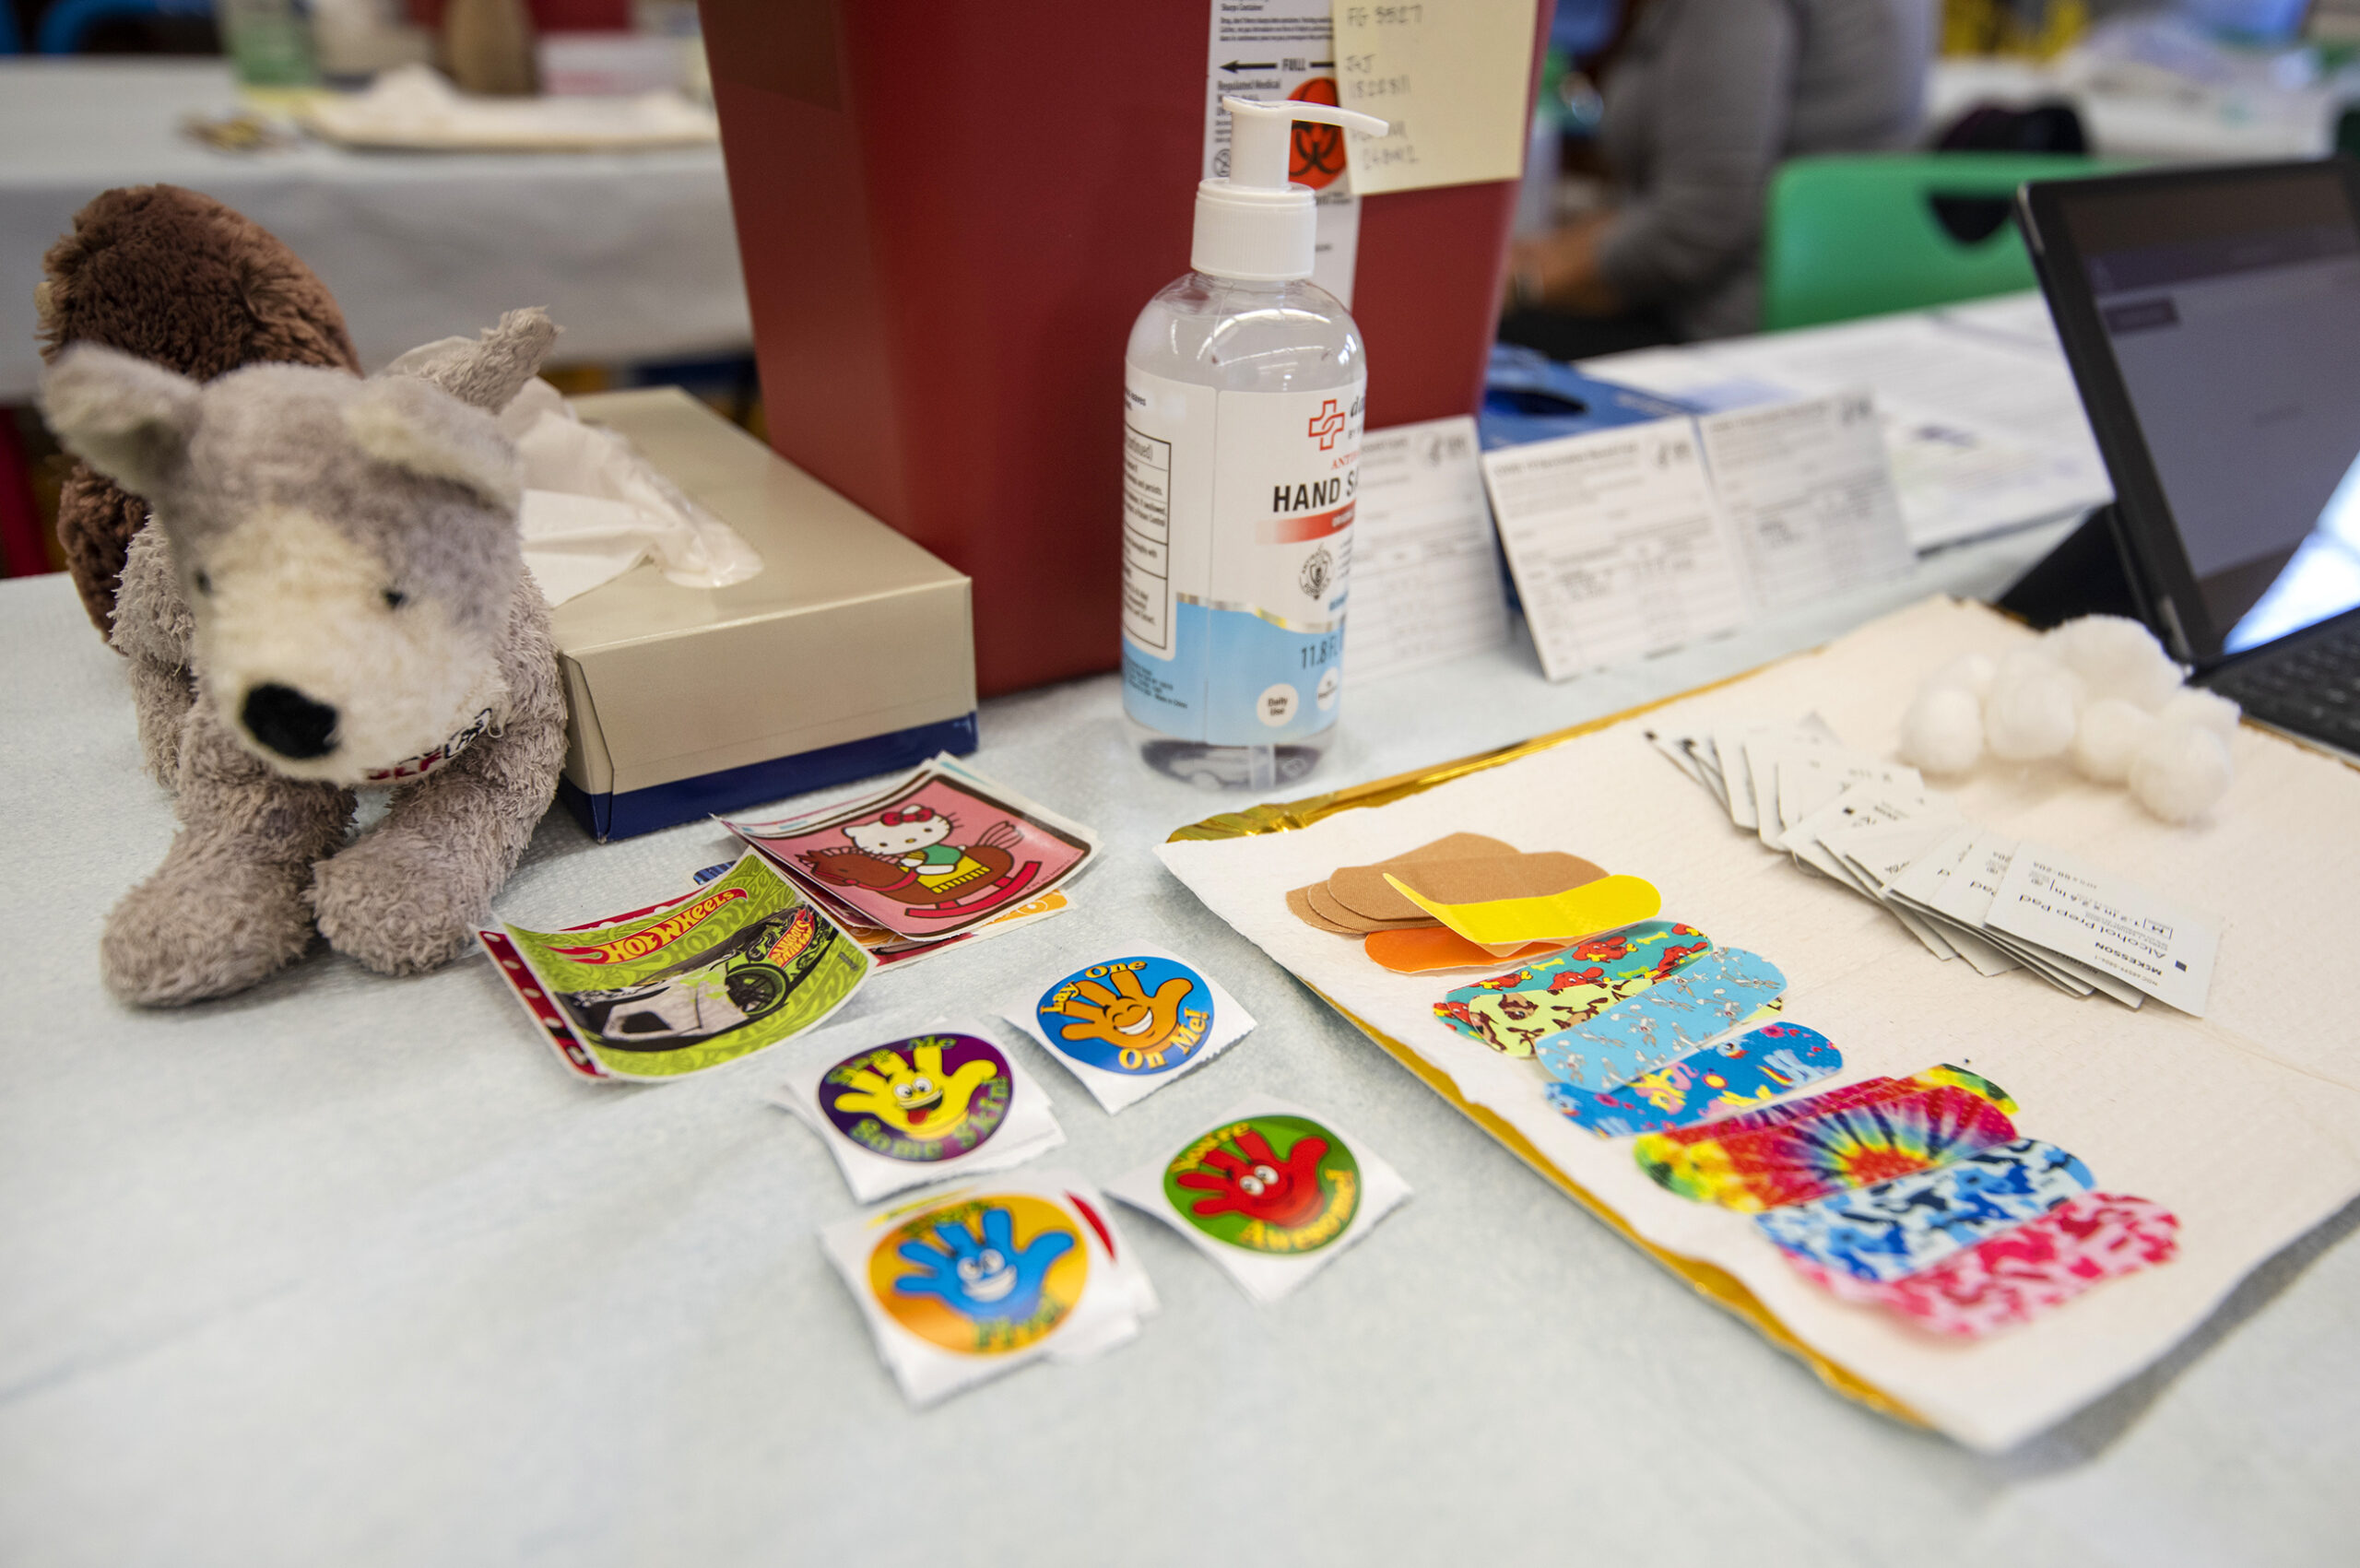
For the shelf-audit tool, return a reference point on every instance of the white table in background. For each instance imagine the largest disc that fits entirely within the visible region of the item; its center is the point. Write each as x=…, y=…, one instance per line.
x=633, y=254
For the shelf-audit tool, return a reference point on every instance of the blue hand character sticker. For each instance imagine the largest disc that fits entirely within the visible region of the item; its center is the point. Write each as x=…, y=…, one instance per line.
x=981, y=1276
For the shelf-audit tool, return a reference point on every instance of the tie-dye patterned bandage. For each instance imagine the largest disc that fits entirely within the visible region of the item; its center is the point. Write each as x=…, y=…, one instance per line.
x=1833, y=1151
x=1867, y=1091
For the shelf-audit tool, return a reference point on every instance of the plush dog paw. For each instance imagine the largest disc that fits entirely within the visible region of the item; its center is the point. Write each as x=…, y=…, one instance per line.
x=204, y=928
x=389, y=902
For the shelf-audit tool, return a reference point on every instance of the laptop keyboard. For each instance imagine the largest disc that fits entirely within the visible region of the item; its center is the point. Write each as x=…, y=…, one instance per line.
x=2312, y=685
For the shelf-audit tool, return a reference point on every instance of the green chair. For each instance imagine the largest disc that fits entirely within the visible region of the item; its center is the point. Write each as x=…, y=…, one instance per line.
x=1862, y=235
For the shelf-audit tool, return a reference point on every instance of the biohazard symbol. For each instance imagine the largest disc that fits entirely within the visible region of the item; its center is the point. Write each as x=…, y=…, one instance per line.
x=1317, y=158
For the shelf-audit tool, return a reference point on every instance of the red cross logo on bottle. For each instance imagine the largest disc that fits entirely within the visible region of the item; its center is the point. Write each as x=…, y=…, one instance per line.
x=1326, y=425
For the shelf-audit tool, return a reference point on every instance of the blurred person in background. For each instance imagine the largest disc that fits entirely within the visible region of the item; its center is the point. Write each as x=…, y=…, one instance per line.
x=1703, y=99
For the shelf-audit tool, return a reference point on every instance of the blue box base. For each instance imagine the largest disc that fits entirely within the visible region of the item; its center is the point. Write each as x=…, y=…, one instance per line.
x=628, y=813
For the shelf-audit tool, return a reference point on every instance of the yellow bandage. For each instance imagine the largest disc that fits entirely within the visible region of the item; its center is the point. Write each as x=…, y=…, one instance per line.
x=1602, y=905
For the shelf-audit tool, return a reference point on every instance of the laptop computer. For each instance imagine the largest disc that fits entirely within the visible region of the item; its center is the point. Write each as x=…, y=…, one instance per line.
x=2212, y=318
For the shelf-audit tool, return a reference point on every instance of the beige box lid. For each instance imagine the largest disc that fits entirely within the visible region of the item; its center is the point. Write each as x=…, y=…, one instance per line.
x=850, y=630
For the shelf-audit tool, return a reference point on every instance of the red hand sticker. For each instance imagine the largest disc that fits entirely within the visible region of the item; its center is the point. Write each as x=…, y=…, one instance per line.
x=1257, y=1183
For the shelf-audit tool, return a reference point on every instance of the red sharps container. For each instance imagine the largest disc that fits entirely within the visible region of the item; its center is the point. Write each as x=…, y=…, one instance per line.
x=949, y=213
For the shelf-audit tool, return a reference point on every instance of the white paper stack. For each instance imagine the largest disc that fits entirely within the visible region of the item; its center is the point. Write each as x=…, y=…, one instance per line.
x=1964, y=891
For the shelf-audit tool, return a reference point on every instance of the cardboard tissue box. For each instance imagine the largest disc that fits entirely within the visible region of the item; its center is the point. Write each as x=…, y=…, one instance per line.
x=852, y=653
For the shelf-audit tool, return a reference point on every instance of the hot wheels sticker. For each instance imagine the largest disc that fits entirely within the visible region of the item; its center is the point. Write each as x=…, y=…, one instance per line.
x=1274, y=1184
x=930, y=1097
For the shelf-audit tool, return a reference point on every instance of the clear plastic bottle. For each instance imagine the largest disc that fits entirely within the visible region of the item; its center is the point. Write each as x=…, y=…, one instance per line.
x=1244, y=385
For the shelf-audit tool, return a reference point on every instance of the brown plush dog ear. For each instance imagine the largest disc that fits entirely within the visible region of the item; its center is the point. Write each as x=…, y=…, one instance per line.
x=126, y=418
x=417, y=427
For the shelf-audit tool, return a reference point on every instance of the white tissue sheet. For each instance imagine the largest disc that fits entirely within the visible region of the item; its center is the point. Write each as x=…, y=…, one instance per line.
x=594, y=508
x=2246, y=1123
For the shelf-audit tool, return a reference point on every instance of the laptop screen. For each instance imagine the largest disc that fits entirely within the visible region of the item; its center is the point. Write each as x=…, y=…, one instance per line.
x=2233, y=312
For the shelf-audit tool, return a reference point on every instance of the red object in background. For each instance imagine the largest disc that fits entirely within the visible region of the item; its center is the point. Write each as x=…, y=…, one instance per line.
x=949, y=214
x=548, y=15
x=21, y=544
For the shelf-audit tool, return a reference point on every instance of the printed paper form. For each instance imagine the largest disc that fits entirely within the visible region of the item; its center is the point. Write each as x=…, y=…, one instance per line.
x=1425, y=574
x=1452, y=75
x=1982, y=423
x=1617, y=544
x=1808, y=493
x=1269, y=50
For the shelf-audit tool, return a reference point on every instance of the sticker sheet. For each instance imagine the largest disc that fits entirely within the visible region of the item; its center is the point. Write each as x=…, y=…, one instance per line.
x=1129, y=1023
x=687, y=985
x=1272, y=1193
x=1511, y=1011
x=1751, y=1070
x=1910, y=1223
x=962, y=1285
x=940, y=852
x=1703, y=1001
x=899, y=1106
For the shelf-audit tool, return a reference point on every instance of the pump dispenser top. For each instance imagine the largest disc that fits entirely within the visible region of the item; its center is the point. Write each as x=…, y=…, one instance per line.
x=1254, y=224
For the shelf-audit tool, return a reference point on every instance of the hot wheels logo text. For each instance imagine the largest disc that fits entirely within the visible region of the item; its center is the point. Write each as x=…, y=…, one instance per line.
x=663, y=934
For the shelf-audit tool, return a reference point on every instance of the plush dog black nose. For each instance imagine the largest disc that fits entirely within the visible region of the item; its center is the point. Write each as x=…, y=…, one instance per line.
x=290, y=722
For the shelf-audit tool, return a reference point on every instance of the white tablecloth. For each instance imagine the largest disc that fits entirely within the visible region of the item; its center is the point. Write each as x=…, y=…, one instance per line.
x=633, y=254
x=347, y=1271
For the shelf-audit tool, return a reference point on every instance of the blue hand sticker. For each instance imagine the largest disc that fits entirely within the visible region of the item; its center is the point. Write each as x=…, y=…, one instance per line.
x=987, y=1281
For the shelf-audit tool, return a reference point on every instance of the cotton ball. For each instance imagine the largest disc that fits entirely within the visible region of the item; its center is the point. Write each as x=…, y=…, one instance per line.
x=1968, y=672
x=2036, y=658
x=2112, y=733
x=2034, y=709
x=2181, y=772
x=2116, y=657
x=1943, y=731
x=2206, y=710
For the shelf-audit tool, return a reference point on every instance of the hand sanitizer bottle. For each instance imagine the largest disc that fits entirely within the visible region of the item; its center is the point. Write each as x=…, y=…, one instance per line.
x=1243, y=396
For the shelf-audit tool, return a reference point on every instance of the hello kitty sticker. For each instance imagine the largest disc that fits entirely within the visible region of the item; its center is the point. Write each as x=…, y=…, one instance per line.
x=940, y=852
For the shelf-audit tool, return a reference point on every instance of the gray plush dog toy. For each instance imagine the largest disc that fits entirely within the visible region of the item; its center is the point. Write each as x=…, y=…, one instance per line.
x=331, y=596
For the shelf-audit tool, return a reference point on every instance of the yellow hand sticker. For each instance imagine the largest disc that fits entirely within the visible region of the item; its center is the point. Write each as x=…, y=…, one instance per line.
x=1126, y=1017
x=916, y=1099
x=1603, y=905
